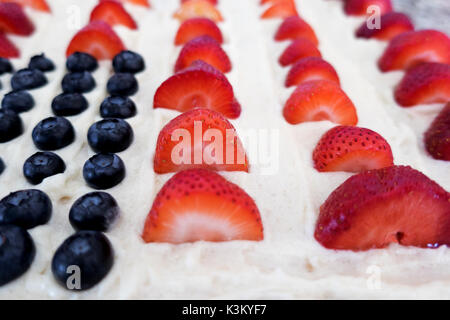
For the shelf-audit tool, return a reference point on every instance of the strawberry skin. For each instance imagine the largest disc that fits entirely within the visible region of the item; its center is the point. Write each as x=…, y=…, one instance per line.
x=206, y=49
x=40, y=5
x=298, y=49
x=13, y=20
x=437, y=137
x=205, y=119
x=295, y=27
x=320, y=100
x=359, y=7
x=7, y=48
x=311, y=68
x=197, y=27
x=378, y=207
x=200, y=205
x=281, y=10
x=412, y=48
x=392, y=24
x=142, y=3
x=198, y=8
x=113, y=13
x=352, y=149
x=214, y=2
x=424, y=84
x=97, y=39
x=199, y=85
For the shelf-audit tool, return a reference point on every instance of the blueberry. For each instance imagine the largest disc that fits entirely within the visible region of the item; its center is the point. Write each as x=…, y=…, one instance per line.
x=5, y=66
x=42, y=63
x=69, y=104
x=25, y=208
x=80, y=82
x=18, y=101
x=2, y=166
x=117, y=107
x=17, y=252
x=104, y=171
x=110, y=135
x=80, y=61
x=94, y=211
x=42, y=165
x=122, y=84
x=27, y=79
x=10, y=125
x=128, y=61
x=53, y=133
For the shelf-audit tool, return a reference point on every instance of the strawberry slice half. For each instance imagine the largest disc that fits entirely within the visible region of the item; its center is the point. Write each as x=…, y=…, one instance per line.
x=298, y=49
x=113, y=13
x=213, y=144
x=412, y=48
x=295, y=27
x=206, y=49
x=437, y=137
x=424, y=84
x=200, y=205
x=280, y=10
x=97, y=39
x=311, y=68
x=142, y=3
x=39, y=5
x=200, y=85
x=214, y=2
x=352, y=149
x=7, y=48
x=14, y=20
x=198, y=8
x=359, y=7
x=378, y=207
x=320, y=100
x=392, y=24
x=197, y=27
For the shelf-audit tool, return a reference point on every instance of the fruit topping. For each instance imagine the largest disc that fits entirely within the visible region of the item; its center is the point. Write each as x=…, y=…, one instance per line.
x=28, y=79
x=104, y=171
x=360, y=7
x=7, y=50
x=298, y=49
x=128, y=61
x=196, y=27
x=14, y=20
x=311, y=68
x=122, y=84
x=42, y=63
x=113, y=13
x=110, y=135
x=437, y=137
x=42, y=165
x=80, y=61
x=391, y=25
x=198, y=8
x=53, y=133
x=5, y=64
x=117, y=107
x=40, y=5
x=295, y=27
x=78, y=82
x=281, y=9
x=69, y=104
x=18, y=101
x=10, y=125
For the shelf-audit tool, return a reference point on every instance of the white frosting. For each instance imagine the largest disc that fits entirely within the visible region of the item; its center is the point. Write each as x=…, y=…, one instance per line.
x=289, y=263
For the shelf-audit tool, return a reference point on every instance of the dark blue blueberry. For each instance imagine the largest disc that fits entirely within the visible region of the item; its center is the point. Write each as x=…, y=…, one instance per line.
x=42, y=165
x=18, y=101
x=2, y=166
x=94, y=211
x=104, y=171
x=53, y=133
x=122, y=84
x=80, y=82
x=118, y=107
x=5, y=66
x=69, y=104
x=17, y=252
x=110, y=135
x=25, y=208
x=42, y=63
x=27, y=79
x=91, y=252
x=128, y=61
x=80, y=61
x=10, y=125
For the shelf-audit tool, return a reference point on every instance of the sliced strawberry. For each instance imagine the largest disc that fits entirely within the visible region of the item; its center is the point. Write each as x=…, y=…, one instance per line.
x=295, y=27
x=14, y=20
x=281, y=9
x=206, y=49
x=40, y=5
x=272, y=1
x=351, y=149
x=202, y=151
x=113, y=13
x=200, y=205
x=437, y=137
x=359, y=7
x=391, y=25
x=311, y=68
x=425, y=84
x=298, y=49
x=196, y=27
x=97, y=39
x=378, y=207
x=198, y=8
x=199, y=85
x=412, y=48
x=320, y=100
x=7, y=48
x=214, y=2
x=142, y=3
